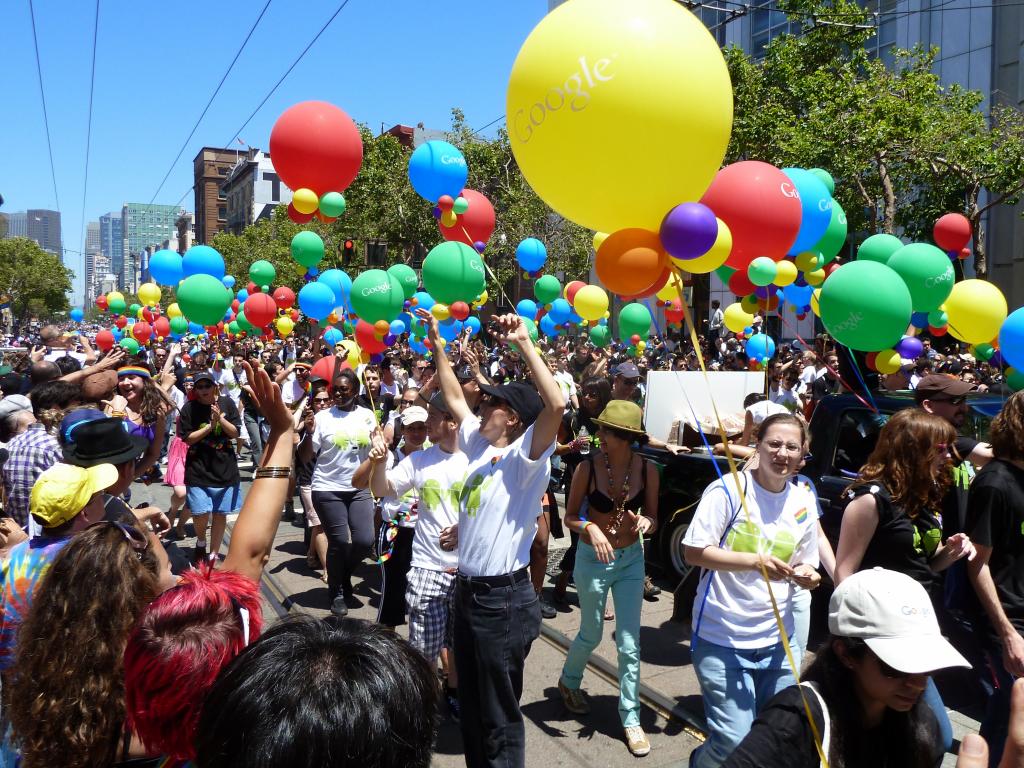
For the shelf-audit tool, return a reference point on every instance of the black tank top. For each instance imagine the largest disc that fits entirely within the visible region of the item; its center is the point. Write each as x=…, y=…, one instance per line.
x=599, y=501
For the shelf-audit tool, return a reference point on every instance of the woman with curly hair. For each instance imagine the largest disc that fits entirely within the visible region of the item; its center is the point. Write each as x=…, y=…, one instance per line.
x=66, y=701
x=894, y=519
x=144, y=407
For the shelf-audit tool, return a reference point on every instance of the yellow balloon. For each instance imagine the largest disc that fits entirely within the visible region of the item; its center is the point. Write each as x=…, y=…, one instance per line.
x=814, y=303
x=448, y=218
x=786, y=273
x=736, y=318
x=149, y=294
x=590, y=302
x=817, y=277
x=749, y=304
x=976, y=310
x=888, y=361
x=174, y=310
x=599, y=237
x=115, y=296
x=599, y=96
x=481, y=300
x=809, y=261
x=671, y=289
x=353, y=353
x=715, y=257
x=284, y=325
x=440, y=311
x=305, y=200
x=138, y=314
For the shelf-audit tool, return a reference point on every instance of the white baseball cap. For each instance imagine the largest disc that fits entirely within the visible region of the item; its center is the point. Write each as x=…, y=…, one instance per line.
x=893, y=615
x=414, y=414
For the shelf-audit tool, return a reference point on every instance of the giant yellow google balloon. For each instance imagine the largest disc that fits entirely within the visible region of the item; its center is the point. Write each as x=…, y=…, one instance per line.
x=976, y=310
x=617, y=111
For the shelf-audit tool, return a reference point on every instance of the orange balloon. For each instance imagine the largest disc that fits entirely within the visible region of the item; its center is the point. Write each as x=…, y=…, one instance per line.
x=656, y=286
x=630, y=261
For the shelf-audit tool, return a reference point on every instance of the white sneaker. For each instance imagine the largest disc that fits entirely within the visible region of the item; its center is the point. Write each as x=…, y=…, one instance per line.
x=637, y=741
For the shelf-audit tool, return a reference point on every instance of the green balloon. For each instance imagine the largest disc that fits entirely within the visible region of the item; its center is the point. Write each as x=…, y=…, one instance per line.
x=203, y=299
x=724, y=273
x=762, y=271
x=234, y=327
x=634, y=320
x=307, y=248
x=243, y=322
x=461, y=205
x=131, y=346
x=1014, y=379
x=117, y=306
x=453, y=272
x=532, y=328
x=938, y=319
x=262, y=272
x=547, y=289
x=133, y=310
x=600, y=335
x=377, y=295
x=879, y=248
x=332, y=204
x=179, y=325
x=984, y=352
x=826, y=179
x=865, y=305
x=835, y=236
x=407, y=277
x=928, y=273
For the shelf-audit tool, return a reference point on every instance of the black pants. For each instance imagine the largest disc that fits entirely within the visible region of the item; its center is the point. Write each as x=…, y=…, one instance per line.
x=347, y=518
x=494, y=628
x=394, y=574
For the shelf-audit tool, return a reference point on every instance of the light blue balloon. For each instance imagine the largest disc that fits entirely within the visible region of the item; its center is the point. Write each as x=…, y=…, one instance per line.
x=473, y=323
x=437, y=168
x=574, y=318
x=196, y=329
x=527, y=308
x=340, y=284
x=116, y=333
x=202, y=260
x=547, y=326
x=761, y=346
x=242, y=295
x=316, y=300
x=815, y=208
x=332, y=336
x=417, y=346
x=76, y=314
x=450, y=329
x=229, y=281
x=798, y=295
x=397, y=327
x=531, y=254
x=1011, y=339
x=165, y=267
x=423, y=300
x=560, y=311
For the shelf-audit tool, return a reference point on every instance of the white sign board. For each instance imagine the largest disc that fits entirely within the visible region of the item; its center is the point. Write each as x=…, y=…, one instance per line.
x=674, y=395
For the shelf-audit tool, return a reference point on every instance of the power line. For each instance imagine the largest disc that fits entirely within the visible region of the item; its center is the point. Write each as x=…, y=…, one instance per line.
x=484, y=128
x=287, y=72
x=208, y=103
x=42, y=97
x=88, y=130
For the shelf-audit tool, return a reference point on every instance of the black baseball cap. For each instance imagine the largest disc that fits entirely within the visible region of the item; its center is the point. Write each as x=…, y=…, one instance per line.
x=202, y=376
x=521, y=398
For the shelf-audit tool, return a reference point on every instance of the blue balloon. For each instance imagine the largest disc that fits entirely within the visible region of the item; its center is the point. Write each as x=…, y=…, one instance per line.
x=574, y=318
x=332, y=336
x=798, y=295
x=816, y=208
x=229, y=281
x=473, y=323
x=531, y=254
x=760, y=347
x=116, y=333
x=1011, y=339
x=77, y=315
x=423, y=300
x=397, y=327
x=196, y=329
x=450, y=329
x=560, y=311
x=919, y=319
x=242, y=295
x=547, y=326
x=437, y=168
x=316, y=300
x=527, y=308
x=417, y=346
x=165, y=267
x=340, y=283
x=202, y=260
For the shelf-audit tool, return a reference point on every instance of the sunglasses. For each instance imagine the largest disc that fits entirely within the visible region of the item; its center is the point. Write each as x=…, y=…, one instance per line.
x=951, y=400
x=135, y=538
x=321, y=399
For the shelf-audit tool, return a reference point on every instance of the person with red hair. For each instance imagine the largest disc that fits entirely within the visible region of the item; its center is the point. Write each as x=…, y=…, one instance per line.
x=188, y=634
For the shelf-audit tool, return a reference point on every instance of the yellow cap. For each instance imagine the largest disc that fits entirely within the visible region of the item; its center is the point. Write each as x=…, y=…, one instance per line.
x=62, y=491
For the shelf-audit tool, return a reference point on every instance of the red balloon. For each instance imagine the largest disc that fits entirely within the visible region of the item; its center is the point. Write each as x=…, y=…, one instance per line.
x=147, y=315
x=571, y=289
x=459, y=310
x=740, y=284
x=101, y=302
x=366, y=337
x=162, y=326
x=965, y=253
x=294, y=314
x=284, y=297
x=477, y=223
x=324, y=219
x=252, y=288
x=235, y=305
x=142, y=332
x=315, y=145
x=121, y=321
x=104, y=339
x=298, y=218
x=952, y=231
x=761, y=207
x=938, y=331
x=260, y=310
x=325, y=367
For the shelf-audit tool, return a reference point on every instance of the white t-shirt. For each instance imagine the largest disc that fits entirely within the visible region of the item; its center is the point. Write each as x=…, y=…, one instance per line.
x=230, y=384
x=500, y=500
x=292, y=390
x=394, y=388
x=567, y=384
x=435, y=478
x=737, y=612
x=342, y=442
x=787, y=398
x=762, y=410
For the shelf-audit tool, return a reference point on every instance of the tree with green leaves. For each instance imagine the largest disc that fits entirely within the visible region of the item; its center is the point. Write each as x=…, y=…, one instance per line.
x=34, y=281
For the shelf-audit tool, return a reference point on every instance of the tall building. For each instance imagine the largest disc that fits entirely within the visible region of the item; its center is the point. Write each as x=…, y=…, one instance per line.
x=92, y=252
x=112, y=240
x=17, y=224
x=144, y=225
x=37, y=224
x=210, y=167
x=252, y=189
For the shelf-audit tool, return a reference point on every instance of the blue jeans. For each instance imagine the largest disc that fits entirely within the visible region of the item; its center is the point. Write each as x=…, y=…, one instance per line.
x=735, y=684
x=624, y=576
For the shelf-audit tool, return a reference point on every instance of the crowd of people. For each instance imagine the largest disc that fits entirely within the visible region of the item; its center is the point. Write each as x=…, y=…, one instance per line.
x=447, y=471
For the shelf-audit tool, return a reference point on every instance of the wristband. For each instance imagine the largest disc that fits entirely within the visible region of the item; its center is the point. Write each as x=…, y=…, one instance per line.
x=273, y=473
x=584, y=528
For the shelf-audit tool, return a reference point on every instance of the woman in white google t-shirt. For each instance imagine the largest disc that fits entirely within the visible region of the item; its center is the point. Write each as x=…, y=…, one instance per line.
x=736, y=647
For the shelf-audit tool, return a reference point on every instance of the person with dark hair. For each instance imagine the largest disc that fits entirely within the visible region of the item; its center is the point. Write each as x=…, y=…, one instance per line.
x=321, y=693
x=611, y=557
x=715, y=323
x=143, y=406
x=340, y=442
x=67, y=364
x=864, y=688
x=746, y=526
x=996, y=523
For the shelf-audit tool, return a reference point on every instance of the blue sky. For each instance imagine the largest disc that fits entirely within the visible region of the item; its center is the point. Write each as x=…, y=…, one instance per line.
x=393, y=61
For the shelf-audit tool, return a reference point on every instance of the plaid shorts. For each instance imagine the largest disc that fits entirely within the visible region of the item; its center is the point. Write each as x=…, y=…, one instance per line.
x=429, y=599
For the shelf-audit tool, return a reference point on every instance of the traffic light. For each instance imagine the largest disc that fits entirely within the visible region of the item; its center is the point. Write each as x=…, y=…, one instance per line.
x=348, y=251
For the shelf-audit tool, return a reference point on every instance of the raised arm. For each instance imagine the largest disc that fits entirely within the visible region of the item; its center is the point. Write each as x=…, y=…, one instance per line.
x=254, y=532
x=450, y=387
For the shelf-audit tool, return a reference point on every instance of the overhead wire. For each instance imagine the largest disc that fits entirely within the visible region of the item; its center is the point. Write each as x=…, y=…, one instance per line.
x=88, y=139
x=42, y=97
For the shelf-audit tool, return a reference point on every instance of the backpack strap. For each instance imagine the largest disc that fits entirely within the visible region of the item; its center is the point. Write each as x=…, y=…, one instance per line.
x=825, y=720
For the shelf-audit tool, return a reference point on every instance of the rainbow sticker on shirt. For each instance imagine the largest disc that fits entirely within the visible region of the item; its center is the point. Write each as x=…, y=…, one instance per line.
x=801, y=515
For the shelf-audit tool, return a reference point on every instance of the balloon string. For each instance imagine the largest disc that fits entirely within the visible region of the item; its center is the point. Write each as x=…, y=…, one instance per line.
x=494, y=277
x=734, y=472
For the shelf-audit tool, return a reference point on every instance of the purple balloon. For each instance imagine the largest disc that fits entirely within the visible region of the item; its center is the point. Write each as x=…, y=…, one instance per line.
x=996, y=361
x=910, y=347
x=761, y=292
x=689, y=230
